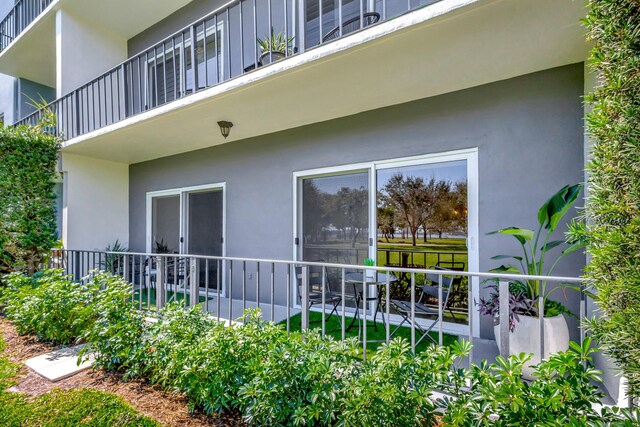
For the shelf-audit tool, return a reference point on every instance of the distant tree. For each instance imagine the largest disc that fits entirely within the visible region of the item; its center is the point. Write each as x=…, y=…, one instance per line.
x=352, y=212
x=450, y=208
x=410, y=199
x=314, y=211
x=386, y=222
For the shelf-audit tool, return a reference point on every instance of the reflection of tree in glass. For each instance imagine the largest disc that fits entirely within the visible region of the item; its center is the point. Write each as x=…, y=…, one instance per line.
x=436, y=205
x=346, y=211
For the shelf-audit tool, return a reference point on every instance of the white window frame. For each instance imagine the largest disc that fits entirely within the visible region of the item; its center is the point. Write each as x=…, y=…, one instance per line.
x=182, y=193
x=469, y=155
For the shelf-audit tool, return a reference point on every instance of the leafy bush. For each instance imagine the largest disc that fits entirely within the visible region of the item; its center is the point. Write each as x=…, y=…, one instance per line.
x=226, y=358
x=394, y=387
x=115, y=337
x=48, y=305
x=562, y=394
x=300, y=382
x=614, y=191
x=28, y=173
x=273, y=378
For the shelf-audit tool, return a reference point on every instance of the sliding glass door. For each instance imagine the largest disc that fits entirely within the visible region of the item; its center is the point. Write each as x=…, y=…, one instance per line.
x=335, y=218
x=188, y=221
x=416, y=212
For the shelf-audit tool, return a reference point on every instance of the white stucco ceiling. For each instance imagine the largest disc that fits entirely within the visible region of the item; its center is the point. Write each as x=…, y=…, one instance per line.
x=33, y=54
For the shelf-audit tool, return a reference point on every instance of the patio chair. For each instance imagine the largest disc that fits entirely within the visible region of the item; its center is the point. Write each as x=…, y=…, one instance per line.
x=315, y=290
x=457, y=296
x=428, y=290
x=351, y=25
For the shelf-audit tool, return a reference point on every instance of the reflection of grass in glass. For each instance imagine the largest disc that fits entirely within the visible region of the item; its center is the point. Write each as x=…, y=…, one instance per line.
x=333, y=328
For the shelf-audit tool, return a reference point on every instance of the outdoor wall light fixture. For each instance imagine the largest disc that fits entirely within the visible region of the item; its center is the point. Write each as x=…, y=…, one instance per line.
x=225, y=128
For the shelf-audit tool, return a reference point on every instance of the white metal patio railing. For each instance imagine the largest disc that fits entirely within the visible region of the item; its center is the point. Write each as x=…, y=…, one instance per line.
x=226, y=286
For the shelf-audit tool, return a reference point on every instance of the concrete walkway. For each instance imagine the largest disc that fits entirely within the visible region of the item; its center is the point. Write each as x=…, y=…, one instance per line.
x=59, y=364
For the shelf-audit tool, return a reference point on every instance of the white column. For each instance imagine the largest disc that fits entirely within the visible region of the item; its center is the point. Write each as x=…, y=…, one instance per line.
x=84, y=51
x=96, y=202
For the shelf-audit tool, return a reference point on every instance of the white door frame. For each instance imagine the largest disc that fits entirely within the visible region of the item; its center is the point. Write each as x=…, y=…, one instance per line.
x=471, y=157
x=182, y=192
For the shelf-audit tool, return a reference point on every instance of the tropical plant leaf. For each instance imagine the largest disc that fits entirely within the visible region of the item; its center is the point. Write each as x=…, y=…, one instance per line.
x=498, y=257
x=552, y=211
x=522, y=234
x=505, y=269
x=575, y=246
x=552, y=244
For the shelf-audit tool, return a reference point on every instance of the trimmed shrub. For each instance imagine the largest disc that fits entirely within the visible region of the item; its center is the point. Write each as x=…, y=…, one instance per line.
x=394, y=388
x=28, y=172
x=563, y=394
x=613, y=229
x=48, y=305
x=115, y=337
x=300, y=382
x=272, y=378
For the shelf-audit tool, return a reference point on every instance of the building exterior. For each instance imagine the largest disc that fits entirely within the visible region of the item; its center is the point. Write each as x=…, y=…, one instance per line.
x=483, y=94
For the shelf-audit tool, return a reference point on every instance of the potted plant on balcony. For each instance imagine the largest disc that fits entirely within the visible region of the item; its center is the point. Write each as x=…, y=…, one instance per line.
x=525, y=295
x=274, y=48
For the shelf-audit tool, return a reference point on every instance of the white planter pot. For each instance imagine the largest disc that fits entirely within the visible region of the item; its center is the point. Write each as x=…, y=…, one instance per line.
x=526, y=339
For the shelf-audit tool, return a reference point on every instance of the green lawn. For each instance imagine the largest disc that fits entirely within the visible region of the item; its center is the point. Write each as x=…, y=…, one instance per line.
x=81, y=407
x=171, y=296
x=332, y=328
x=419, y=256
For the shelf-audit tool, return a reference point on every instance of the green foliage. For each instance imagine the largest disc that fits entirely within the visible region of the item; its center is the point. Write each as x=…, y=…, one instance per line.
x=115, y=337
x=48, y=305
x=57, y=309
x=272, y=378
x=532, y=260
x=614, y=192
x=8, y=369
x=300, y=382
x=28, y=170
x=276, y=43
x=394, y=387
x=562, y=394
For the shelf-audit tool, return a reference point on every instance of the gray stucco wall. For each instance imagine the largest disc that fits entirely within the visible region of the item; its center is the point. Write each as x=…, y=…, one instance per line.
x=27, y=93
x=528, y=131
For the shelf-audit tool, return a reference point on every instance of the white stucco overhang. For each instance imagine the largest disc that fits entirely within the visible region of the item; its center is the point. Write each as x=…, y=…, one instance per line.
x=32, y=55
x=449, y=46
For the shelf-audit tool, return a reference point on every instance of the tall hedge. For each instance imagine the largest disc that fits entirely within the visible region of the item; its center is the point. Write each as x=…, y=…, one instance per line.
x=613, y=206
x=28, y=172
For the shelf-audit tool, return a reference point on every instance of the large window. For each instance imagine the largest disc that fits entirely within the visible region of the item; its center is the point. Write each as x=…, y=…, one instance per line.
x=413, y=213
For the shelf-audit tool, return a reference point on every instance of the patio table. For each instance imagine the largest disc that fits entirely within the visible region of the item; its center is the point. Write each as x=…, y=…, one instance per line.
x=377, y=283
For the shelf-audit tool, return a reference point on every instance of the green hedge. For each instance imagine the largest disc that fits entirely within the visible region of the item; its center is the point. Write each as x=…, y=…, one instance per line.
x=277, y=379
x=28, y=172
x=613, y=206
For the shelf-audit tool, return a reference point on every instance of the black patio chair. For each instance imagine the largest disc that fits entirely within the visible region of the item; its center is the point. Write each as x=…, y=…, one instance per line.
x=458, y=296
x=315, y=290
x=351, y=25
x=427, y=291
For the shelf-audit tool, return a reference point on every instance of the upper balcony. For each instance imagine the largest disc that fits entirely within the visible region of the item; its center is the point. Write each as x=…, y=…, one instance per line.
x=29, y=34
x=222, y=67
x=19, y=18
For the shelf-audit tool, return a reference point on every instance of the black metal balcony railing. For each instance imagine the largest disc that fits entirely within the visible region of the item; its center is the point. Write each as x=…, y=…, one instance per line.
x=223, y=45
x=21, y=15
